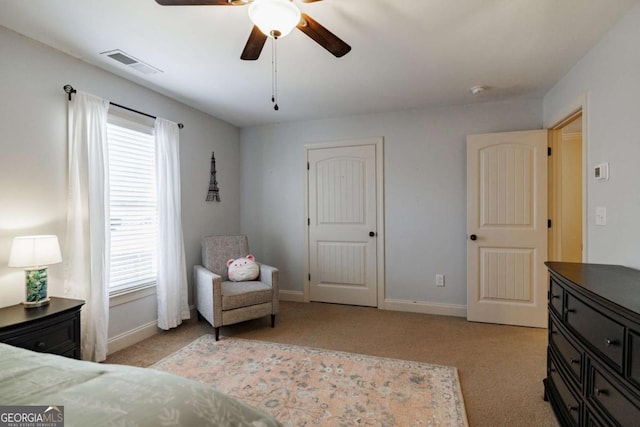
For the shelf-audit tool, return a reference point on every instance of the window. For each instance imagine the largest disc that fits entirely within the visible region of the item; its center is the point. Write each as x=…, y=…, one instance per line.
x=133, y=213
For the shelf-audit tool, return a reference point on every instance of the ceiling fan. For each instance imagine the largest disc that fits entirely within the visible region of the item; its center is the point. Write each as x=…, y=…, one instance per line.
x=274, y=18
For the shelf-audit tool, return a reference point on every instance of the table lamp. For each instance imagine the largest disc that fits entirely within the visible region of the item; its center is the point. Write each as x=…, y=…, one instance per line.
x=35, y=254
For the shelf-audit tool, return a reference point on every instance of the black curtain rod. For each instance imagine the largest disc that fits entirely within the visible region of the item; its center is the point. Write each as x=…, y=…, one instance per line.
x=70, y=90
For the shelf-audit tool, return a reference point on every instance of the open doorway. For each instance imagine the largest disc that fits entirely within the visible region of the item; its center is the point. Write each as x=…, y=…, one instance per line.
x=566, y=191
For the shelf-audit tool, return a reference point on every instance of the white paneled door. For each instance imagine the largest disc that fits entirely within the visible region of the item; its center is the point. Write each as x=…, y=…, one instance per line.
x=342, y=225
x=507, y=228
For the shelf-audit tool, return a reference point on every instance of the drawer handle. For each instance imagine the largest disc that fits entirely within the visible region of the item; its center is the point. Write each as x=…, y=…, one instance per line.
x=574, y=361
x=601, y=392
x=555, y=296
x=572, y=408
x=40, y=346
x=610, y=342
x=571, y=310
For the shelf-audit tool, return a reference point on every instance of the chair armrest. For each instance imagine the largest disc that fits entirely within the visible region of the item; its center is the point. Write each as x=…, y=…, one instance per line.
x=269, y=275
x=208, y=294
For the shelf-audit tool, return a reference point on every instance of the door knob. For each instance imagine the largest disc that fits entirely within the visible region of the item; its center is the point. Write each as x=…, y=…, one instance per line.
x=372, y=234
x=473, y=237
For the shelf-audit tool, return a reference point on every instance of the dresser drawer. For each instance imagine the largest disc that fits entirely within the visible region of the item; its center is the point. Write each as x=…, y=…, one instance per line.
x=568, y=353
x=634, y=359
x=74, y=353
x=595, y=421
x=570, y=405
x=611, y=397
x=56, y=338
x=555, y=297
x=601, y=333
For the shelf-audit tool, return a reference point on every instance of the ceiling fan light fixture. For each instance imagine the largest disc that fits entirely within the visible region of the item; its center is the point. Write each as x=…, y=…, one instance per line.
x=478, y=89
x=275, y=18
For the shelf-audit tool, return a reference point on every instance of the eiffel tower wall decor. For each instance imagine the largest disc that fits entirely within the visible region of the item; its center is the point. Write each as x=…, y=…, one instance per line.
x=214, y=192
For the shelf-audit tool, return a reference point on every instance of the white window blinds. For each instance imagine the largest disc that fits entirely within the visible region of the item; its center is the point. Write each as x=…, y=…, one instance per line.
x=133, y=210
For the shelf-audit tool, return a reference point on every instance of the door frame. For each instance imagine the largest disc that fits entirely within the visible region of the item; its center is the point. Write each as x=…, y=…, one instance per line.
x=580, y=105
x=378, y=142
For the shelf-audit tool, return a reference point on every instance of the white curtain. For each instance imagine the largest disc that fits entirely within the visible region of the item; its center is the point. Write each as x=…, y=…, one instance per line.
x=171, y=287
x=86, y=274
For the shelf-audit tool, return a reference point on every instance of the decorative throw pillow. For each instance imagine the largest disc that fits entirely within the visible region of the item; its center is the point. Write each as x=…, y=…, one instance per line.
x=242, y=269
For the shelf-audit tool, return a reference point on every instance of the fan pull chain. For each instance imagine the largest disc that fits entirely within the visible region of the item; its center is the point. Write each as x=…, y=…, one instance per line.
x=274, y=73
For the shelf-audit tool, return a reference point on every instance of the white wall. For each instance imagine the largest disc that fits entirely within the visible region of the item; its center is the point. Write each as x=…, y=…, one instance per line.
x=609, y=78
x=425, y=191
x=33, y=160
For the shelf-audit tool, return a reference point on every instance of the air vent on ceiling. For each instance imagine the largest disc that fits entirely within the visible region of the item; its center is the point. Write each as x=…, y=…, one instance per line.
x=128, y=60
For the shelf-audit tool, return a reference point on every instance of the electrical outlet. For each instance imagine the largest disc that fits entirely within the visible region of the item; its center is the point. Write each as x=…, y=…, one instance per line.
x=440, y=280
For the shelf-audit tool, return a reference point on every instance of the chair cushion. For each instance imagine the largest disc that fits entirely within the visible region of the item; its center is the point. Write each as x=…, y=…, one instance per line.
x=243, y=294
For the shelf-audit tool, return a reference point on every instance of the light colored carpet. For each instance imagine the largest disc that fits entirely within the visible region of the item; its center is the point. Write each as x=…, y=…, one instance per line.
x=500, y=367
x=303, y=386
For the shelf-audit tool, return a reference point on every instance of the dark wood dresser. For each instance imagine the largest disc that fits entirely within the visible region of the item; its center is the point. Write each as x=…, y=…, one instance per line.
x=53, y=328
x=593, y=357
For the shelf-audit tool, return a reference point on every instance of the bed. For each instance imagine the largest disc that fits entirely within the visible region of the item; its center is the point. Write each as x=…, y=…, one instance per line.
x=95, y=394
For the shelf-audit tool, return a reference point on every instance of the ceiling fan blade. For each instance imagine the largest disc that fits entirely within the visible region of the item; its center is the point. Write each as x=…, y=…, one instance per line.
x=197, y=3
x=310, y=1
x=254, y=45
x=323, y=37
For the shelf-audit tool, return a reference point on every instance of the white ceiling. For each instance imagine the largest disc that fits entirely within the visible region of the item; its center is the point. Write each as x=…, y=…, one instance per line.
x=405, y=53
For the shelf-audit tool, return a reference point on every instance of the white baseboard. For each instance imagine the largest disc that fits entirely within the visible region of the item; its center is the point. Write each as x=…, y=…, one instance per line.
x=133, y=336
x=295, y=296
x=455, y=310
x=138, y=334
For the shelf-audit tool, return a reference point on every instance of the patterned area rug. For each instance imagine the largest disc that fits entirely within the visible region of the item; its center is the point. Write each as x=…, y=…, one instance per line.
x=302, y=386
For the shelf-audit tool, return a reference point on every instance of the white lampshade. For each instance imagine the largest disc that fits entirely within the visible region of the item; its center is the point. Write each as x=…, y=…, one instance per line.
x=34, y=251
x=274, y=17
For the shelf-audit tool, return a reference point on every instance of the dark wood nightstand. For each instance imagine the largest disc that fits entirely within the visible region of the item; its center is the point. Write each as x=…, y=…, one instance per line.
x=53, y=328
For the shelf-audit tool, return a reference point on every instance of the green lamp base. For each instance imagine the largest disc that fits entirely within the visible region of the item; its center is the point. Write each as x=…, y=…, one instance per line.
x=36, y=287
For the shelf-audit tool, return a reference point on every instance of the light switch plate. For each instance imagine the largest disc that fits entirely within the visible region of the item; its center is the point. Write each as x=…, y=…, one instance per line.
x=601, y=172
x=601, y=215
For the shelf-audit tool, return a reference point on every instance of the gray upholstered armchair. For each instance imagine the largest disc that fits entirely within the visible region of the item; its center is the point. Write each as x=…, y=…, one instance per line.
x=222, y=302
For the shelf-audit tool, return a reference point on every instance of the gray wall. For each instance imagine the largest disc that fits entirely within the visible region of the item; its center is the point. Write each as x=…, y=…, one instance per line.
x=609, y=78
x=425, y=169
x=33, y=160
x=425, y=191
